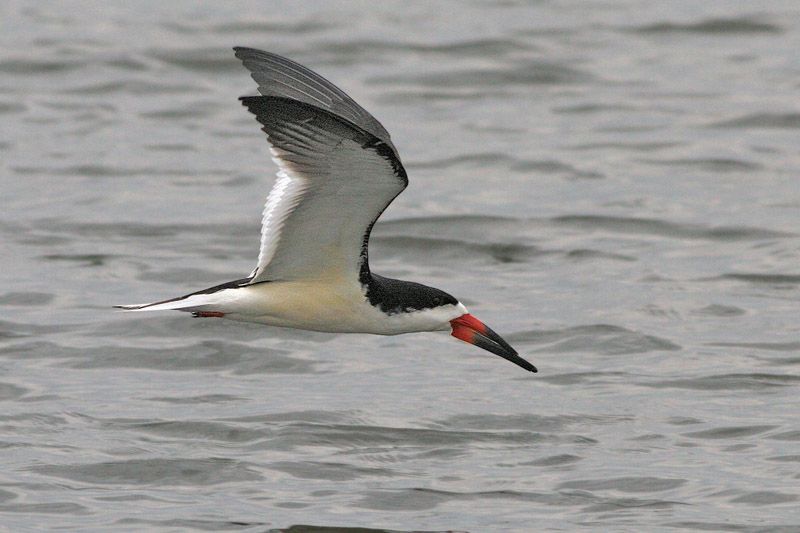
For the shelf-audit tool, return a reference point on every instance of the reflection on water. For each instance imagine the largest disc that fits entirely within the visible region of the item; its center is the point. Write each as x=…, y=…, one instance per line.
x=612, y=186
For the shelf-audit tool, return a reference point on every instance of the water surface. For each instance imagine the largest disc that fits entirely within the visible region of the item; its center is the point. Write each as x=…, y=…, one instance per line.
x=613, y=186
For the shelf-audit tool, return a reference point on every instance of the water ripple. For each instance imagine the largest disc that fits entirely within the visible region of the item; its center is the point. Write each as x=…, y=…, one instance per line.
x=489, y=48
x=214, y=60
x=496, y=225
x=419, y=499
x=28, y=66
x=161, y=472
x=185, y=524
x=330, y=471
x=667, y=229
x=600, y=339
x=488, y=159
x=762, y=121
x=300, y=528
x=709, y=164
x=625, y=484
x=772, y=279
x=754, y=381
x=348, y=436
x=194, y=429
x=714, y=26
x=26, y=298
x=730, y=432
x=525, y=74
x=205, y=355
x=765, y=497
x=252, y=25
x=448, y=249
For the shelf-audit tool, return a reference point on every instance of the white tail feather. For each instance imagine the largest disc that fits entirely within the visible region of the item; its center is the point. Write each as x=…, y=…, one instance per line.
x=193, y=302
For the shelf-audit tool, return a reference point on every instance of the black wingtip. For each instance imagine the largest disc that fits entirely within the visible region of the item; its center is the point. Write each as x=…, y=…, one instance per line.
x=243, y=53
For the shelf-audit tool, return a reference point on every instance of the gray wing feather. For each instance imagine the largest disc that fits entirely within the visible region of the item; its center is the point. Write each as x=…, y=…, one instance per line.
x=335, y=180
x=279, y=76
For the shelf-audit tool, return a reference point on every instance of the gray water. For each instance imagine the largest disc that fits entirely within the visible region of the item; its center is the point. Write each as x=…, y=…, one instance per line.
x=613, y=186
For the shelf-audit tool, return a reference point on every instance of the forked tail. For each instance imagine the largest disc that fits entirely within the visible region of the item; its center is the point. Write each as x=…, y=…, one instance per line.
x=195, y=302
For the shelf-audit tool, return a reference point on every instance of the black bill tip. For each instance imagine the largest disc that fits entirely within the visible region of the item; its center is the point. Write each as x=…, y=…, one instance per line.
x=491, y=342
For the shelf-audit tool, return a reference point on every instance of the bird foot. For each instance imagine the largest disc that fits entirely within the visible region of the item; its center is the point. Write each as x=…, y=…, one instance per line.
x=208, y=314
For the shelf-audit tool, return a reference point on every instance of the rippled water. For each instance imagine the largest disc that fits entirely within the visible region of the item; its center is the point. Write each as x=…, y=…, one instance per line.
x=613, y=185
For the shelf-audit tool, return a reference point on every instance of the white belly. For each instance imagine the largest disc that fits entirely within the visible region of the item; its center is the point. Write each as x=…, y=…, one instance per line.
x=325, y=306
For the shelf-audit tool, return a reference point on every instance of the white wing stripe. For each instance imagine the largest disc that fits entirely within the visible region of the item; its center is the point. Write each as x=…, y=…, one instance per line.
x=283, y=198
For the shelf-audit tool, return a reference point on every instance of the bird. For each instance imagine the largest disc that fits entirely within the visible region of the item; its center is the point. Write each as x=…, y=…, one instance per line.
x=338, y=170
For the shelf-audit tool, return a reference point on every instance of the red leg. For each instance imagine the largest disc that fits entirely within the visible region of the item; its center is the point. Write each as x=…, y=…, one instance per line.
x=208, y=314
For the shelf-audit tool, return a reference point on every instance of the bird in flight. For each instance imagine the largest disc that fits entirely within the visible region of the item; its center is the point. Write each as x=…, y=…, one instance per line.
x=337, y=172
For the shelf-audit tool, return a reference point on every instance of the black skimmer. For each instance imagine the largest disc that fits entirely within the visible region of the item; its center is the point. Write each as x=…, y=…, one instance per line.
x=337, y=172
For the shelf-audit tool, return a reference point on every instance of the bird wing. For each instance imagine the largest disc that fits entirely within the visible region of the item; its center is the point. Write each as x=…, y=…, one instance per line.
x=335, y=177
x=279, y=76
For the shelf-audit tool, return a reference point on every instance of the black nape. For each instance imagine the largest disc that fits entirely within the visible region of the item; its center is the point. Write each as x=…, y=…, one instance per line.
x=396, y=296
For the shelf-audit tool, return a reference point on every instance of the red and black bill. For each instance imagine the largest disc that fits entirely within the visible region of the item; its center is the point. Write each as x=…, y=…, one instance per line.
x=469, y=329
